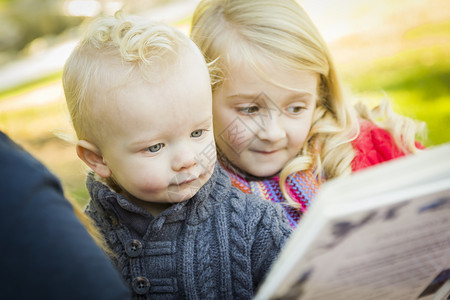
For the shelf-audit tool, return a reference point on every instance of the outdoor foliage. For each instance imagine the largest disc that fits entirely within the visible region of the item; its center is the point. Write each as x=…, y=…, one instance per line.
x=416, y=78
x=22, y=21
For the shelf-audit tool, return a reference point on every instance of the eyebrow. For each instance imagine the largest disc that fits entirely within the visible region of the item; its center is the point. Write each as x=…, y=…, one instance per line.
x=141, y=143
x=244, y=96
x=295, y=95
x=205, y=122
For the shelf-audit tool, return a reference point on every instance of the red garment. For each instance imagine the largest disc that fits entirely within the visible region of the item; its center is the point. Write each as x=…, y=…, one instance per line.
x=374, y=145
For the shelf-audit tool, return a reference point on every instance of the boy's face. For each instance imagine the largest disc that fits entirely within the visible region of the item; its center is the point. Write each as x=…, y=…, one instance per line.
x=260, y=126
x=160, y=146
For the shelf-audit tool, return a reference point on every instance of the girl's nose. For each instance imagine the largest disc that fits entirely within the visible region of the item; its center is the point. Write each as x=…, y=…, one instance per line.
x=271, y=130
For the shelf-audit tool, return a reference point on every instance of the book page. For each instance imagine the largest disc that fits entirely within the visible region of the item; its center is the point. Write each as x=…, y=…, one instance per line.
x=394, y=251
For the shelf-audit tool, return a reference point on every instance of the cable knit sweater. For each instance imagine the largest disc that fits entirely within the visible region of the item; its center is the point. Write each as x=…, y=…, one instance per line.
x=217, y=245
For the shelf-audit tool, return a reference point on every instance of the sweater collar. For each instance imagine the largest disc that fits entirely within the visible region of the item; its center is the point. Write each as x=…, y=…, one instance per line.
x=194, y=210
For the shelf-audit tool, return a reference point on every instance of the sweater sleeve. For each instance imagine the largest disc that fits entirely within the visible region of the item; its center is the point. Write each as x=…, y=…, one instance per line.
x=271, y=234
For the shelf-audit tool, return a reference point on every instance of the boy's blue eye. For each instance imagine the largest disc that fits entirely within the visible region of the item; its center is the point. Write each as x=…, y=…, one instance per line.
x=155, y=148
x=197, y=133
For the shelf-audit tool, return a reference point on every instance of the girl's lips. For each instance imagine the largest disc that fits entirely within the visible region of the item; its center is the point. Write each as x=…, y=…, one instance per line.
x=265, y=151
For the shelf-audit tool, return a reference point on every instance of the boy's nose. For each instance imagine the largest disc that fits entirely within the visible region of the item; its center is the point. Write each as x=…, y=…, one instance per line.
x=184, y=158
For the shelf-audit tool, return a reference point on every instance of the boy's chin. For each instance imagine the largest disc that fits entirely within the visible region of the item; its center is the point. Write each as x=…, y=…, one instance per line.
x=176, y=196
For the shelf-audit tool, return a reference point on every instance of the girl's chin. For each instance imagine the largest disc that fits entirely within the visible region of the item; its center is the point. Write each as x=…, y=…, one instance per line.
x=266, y=174
x=263, y=172
x=262, y=167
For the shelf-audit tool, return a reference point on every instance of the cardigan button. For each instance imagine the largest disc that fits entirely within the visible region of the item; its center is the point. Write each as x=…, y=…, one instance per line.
x=133, y=248
x=141, y=285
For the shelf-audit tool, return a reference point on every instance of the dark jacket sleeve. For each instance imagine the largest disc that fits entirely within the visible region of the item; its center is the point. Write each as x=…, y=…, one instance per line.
x=46, y=253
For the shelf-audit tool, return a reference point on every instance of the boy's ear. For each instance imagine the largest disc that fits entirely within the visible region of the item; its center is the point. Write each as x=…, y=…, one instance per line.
x=91, y=155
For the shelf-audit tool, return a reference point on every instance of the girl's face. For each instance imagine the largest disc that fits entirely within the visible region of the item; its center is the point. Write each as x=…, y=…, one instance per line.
x=260, y=126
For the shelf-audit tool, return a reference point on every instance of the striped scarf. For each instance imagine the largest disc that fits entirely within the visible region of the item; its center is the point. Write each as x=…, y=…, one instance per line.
x=301, y=187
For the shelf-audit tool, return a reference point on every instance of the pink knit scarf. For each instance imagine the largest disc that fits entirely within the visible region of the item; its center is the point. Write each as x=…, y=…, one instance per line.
x=301, y=186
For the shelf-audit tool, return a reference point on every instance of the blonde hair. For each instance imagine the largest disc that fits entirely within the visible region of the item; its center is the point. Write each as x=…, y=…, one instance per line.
x=137, y=46
x=281, y=32
x=91, y=228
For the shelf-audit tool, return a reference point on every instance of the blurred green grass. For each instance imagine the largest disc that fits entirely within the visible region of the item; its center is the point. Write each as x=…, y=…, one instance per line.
x=417, y=89
x=417, y=80
x=29, y=86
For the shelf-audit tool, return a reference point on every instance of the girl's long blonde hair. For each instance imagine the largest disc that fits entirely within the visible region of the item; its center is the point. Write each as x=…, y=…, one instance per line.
x=281, y=32
x=93, y=231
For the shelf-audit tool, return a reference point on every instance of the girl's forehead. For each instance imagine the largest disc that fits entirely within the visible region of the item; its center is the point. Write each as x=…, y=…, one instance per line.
x=258, y=60
x=245, y=82
x=267, y=70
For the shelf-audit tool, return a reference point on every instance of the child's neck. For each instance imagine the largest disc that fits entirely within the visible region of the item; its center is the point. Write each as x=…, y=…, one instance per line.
x=154, y=208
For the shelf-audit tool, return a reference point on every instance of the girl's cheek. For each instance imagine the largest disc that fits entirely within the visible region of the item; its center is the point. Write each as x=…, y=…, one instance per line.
x=239, y=133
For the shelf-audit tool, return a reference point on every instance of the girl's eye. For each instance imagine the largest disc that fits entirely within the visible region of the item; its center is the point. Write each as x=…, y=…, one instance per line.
x=197, y=133
x=295, y=109
x=249, y=110
x=156, y=147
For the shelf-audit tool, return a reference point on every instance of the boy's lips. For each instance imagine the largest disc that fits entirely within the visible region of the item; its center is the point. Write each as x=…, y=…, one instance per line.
x=187, y=181
x=184, y=179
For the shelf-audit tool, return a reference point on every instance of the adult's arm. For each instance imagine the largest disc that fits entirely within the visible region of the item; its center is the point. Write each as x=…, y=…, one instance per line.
x=46, y=253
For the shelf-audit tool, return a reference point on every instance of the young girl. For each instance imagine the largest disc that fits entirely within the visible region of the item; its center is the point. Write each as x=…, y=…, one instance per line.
x=281, y=121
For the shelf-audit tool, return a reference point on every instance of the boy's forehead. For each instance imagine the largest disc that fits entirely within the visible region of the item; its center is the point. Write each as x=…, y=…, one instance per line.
x=184, y=83
x=143, y=113
x=179, y=83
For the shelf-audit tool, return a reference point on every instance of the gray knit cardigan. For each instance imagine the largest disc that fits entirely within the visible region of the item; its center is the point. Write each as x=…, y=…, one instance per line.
x=217, y=245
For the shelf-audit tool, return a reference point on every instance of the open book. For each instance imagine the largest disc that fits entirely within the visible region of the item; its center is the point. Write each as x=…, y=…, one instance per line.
x=381, y=233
